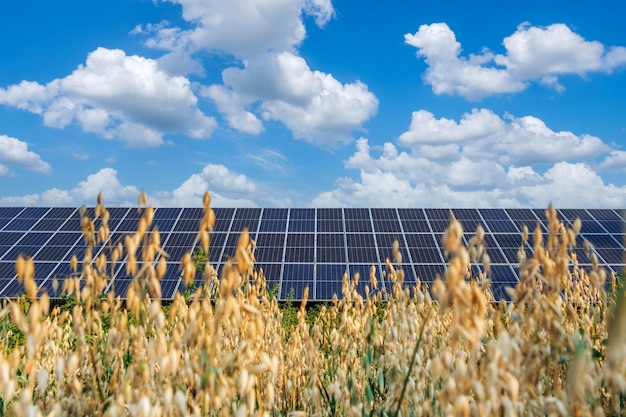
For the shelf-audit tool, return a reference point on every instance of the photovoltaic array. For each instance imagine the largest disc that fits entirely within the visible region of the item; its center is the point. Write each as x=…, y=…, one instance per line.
x=299, y=248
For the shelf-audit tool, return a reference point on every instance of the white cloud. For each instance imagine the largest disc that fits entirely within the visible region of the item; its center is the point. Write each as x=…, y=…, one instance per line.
x=616, y=160
x=240, y=27
x=14, y=152
x=510, y=140
x=312, y=104
x=481, y=161
x=228, y=189
x=532, y=54
x=118, y=97
x=86, y=192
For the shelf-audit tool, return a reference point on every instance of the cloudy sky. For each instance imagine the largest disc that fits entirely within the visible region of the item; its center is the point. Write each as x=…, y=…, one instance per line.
x=313, y=103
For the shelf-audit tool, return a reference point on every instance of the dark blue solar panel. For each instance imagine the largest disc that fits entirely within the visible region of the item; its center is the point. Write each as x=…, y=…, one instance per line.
x=240, y=224
x=60, y=213
x=415, y=226
x=299, y=254
x=187, y=225
x=167, y=213
x=511, y=255
x=273, y=225
x=439, y=226
x=358, y=226
x=295, y=289
x=384, y=214
x=331, y=254
x=270, y=271
x=128, y=225
x=425, y=255
x=508, y=240
x=428, y=273
x=496, y=256
x=300, y=240
x=498, y=226
x=438, y=214
x=356, y=214
x=33, y=212
x=49, y=224
x=302, y=214
x=168, y=288
x=329, y=226
x=21, y=224
x=573, y=214
x=523, y=214
x=269, y=254
x=604, y=214
x=326, y=290
x=52, y=253
x=330, y=240
x=270, y=239
x=360, y=240
x=610, y=226
x=599, y=241
x=4, y=222
x=581, y=256
x=387, y=226
x=275, y=214
x=421, y=240
x=469, y=225
x=503, y=274
x=364, y=275
x=494, y=214
x=329, y=214
x=223, y=217
x=330, y=272
x=35, y=238
x=193, y=213
x=10, y=238
x=163, y=224
x=362, y=255
x=301, y=225
x=298, y=272
x=7, y=269
x=612, y=256
x=63, y=239
x=10, y=212
x=466, y=214
x=411, y=214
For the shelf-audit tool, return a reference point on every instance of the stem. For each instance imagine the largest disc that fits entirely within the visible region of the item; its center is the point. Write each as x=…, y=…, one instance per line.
x=415, y=349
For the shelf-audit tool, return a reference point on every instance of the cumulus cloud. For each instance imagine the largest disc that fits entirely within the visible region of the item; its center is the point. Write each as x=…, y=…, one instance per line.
x=509, y=140
x=116, y=96
x=86, y=192
x=227, y=189
x=312, y=104
x=615, y=161
x=14, y=152
x=481, y=160
x=239, y=27
x=532, y=54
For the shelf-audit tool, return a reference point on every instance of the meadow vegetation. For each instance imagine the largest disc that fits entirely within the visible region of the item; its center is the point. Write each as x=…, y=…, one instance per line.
x=558, y=348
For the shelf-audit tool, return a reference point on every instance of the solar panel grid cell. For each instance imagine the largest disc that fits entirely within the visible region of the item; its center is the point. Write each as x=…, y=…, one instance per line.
x=411, y=214
x=299, y=254
x=10, y=212
x=438, y=214
x=614, y=227
x=362, y=255
x=421, y=240
x=356, y=226
x=329, y=226
x=426, y=255
x=23, y=224
x=415, y=226
x=494, y=214
x=301, y=225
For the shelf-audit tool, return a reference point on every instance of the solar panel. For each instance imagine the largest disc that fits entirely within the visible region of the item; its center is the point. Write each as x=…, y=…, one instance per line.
x=298, y=247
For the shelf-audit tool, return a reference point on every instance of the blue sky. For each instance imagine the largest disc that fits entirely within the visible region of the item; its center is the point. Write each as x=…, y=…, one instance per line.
x=303, y=103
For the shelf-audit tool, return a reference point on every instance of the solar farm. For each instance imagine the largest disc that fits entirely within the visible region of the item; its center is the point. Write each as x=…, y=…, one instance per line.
x=300, y=247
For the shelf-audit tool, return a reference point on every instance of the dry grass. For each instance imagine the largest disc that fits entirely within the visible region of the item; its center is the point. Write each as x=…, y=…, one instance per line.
x=557, y=349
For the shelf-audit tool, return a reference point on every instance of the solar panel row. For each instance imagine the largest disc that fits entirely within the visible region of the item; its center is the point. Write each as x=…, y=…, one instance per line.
x=298, y=248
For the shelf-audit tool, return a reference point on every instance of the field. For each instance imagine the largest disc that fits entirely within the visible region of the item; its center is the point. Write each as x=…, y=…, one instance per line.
x=558, y=348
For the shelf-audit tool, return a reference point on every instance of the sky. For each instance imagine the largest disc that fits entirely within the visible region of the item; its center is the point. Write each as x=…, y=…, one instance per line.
x=313, y=103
